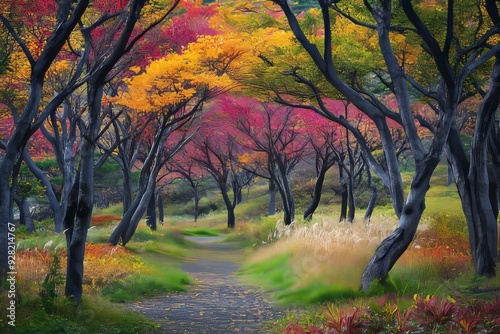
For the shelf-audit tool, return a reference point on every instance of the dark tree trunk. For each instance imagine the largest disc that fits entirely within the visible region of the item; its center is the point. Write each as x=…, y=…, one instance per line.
x=229, y=206
x=69, y=223
x=373, y=198
x=147, y=180
x=28, y=219
x=151, y=213
x=450, y=176
x=272, y=197
x=159, y=200
x=371, y=204
x=391, y=248
x=351, y=203
x=127, y=189
x=24, y=125
x=494, y=173
x=78, y=238
x=318, y=189
x=286, y=197
x=343, y=202
x=239, y=196
x=196, y=206
x=343, y=194
x=139, y=211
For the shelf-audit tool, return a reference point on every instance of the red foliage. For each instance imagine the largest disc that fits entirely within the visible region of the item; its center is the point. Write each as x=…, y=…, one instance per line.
x=184, y=29
x=351, y=320
x=35, y=17
x=431, y=310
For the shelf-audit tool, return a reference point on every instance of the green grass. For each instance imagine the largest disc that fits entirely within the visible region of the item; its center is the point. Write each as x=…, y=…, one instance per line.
x=140, y=286
x=94, y=315
x=202, y=232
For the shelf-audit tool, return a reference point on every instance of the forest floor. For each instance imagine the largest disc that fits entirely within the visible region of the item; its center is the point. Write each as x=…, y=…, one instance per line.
x=218, y=300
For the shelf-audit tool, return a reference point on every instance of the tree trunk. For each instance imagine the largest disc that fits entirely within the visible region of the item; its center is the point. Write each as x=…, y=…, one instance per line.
x=373, y=198
x=28, y=220
x=229, y=206
x=318, y=188
x=450, y=176
x=391, y=248
x=343, y=194
x=78, y=238
x=139, y=210
x=151, y=213
x=14, y=145
x=351, y=203
x=127, y=189
x=159, y=200
x=196, y=205
x=286, y=197
x=23, y=127
x=272, y=197
x=343, y=202
x=69, y=223
x=371, y=204
x=147, y=182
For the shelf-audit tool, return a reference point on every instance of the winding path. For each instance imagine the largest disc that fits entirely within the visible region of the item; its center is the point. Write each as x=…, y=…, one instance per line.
x=217, y=302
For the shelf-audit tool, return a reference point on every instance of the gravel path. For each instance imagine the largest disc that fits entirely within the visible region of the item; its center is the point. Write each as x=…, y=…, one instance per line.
x=218, y=302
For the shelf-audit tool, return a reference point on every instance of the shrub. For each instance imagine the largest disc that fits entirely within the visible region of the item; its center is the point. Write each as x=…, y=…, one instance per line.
x=52, y=281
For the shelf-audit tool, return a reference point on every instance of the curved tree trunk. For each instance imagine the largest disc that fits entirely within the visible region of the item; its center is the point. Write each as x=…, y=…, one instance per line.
x=229, y=207
x=391, y=248
x=371, y=204
x=373, y=198
x=140, y=209
x=286, y=198
x=318, y=188
x=127, y=189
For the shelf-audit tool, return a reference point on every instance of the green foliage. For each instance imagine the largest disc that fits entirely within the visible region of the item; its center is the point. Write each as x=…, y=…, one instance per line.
x=51, y=283
x=30, y=187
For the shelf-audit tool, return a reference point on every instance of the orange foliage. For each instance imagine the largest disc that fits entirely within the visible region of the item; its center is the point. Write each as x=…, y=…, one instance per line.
x=104, y=220
x=102, y=265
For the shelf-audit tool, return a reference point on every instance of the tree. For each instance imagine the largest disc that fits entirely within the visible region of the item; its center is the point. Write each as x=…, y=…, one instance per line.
x=66, y=18
x=189, y=170
x=277, y=133
x=214, y=149
x=450, y=78
x=124, y=34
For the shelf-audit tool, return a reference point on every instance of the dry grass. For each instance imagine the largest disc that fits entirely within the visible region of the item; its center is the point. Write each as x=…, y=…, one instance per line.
x=334, y=252
x=337, y=253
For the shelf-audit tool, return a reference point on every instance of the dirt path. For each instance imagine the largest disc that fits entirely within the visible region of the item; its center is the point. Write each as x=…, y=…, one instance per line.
x=217, y=302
